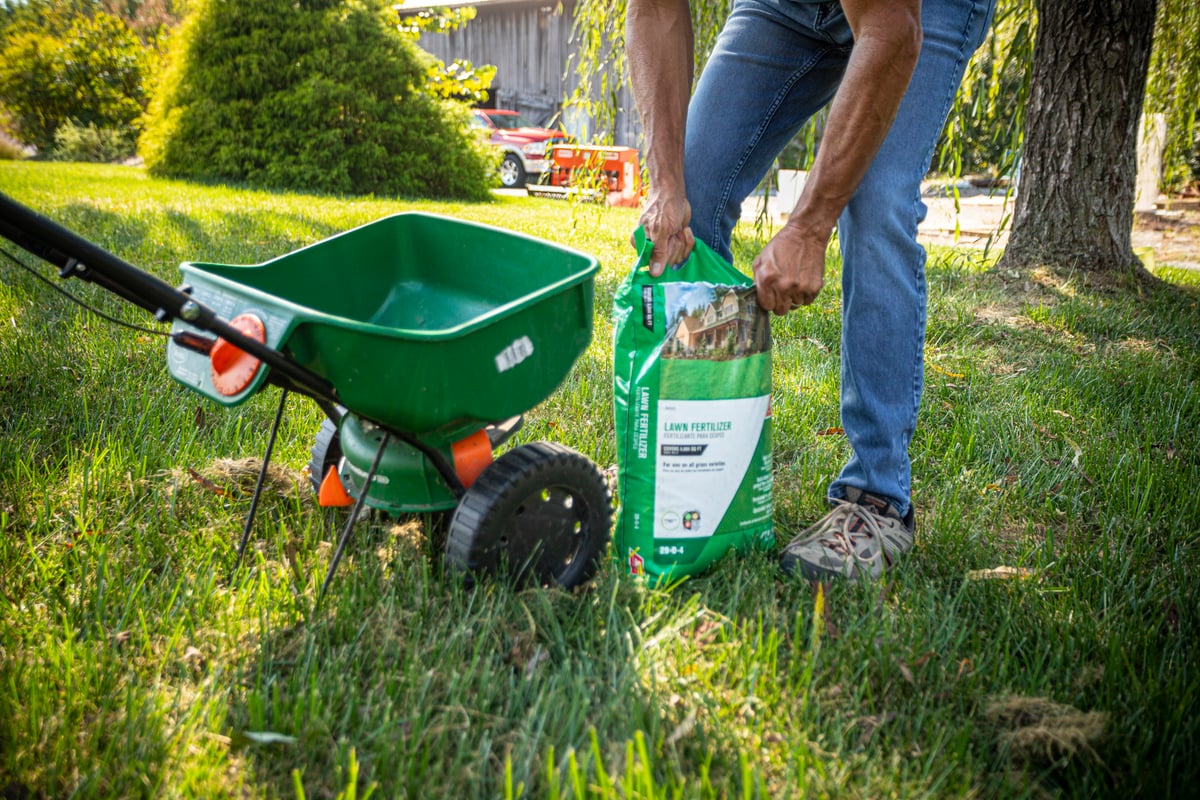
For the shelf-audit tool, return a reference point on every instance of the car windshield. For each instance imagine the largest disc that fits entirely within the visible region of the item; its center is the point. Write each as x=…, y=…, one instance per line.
x=509, y=121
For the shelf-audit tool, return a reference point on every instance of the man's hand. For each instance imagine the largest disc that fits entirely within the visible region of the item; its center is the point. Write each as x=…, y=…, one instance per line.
x=790, y=270
x=666, y=219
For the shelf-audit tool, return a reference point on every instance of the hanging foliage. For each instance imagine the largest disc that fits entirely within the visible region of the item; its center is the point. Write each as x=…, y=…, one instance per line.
x=599, y=60
x=460, y=80
x=600, y=66
x=986, y=127
x=1173, y=86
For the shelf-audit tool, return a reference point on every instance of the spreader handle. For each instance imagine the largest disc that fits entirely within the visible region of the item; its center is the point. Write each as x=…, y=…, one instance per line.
x=76, y=257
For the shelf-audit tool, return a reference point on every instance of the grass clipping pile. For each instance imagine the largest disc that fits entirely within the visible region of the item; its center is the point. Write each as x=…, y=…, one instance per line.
x=226, y=476
x=1037, y=731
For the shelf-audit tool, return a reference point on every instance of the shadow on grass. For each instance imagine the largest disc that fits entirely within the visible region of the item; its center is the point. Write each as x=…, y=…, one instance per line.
x=165, y=238
x=432, y=688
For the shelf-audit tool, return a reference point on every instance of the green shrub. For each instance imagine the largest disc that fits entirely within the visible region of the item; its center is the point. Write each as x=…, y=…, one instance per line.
x=315, y=95
x=91, y=74
x=10, y=150
x=92, y=143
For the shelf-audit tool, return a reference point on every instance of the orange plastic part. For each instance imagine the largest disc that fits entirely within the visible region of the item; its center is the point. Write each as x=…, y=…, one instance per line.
x=472, y=456
x=332, y=493
x=233, y=369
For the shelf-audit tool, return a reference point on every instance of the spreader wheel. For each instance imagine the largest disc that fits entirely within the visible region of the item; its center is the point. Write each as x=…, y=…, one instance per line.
x=542, y=511
x=326, y=453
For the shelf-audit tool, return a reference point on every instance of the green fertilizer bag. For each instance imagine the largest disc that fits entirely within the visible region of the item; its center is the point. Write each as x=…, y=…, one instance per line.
x=692, y=391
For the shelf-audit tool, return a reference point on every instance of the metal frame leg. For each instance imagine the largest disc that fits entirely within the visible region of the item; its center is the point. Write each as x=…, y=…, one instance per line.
x=262, y=475
x=353, y=518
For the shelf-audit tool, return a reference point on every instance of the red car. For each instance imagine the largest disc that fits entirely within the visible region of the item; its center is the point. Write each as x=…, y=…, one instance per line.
x=525, y=146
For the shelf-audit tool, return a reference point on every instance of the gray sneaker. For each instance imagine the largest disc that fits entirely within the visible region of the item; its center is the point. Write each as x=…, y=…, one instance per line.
x=861, y=537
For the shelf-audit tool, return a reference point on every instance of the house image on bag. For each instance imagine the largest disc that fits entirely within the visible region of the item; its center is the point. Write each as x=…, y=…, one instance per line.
x=730, y=325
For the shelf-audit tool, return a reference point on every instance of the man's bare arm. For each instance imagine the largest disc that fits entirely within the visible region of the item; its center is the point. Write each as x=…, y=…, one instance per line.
x=658, y=34
x=887, y=41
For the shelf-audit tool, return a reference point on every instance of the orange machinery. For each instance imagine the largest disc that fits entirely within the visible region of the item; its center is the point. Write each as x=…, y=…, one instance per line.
x=618, y=165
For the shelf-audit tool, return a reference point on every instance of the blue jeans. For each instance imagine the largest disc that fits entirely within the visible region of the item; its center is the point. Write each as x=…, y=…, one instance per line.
x=776, y=63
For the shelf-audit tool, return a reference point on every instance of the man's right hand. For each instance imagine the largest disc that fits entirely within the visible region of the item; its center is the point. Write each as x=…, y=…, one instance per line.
x=666, y=219
x=658, y=34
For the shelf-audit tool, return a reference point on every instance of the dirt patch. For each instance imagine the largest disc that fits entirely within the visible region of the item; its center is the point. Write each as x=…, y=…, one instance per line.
x=226, y=475
x=1172, y=233
x=243, y=472
x=1039, y=287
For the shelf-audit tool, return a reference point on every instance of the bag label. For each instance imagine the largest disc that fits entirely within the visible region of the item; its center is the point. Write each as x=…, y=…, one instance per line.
x=701, y=444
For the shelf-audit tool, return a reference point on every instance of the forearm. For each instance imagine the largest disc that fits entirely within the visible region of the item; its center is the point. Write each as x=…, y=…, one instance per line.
x=790, y=270
x=658, y=35
x=887, y=44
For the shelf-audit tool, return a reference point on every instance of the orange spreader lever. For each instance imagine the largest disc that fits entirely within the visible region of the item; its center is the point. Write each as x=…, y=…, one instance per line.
x=233, y=369
x=333, y=493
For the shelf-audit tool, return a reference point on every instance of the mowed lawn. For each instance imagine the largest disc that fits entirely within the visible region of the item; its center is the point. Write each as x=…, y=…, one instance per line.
x=1041, y=641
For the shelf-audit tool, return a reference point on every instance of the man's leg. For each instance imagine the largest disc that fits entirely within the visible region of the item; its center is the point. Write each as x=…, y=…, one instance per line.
x=883, y=277
x=883, y=314
x=775, y=64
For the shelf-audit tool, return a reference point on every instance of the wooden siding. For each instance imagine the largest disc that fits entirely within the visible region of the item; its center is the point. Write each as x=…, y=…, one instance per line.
x=529, y=44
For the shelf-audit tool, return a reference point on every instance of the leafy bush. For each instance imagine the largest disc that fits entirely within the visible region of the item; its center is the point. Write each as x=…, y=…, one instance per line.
x=92, y=143
x=461, y=80
x=316, y=95
x=93, y=73
x=9, y=150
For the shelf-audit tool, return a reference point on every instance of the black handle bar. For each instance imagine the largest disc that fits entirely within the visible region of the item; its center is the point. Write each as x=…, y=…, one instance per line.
x=76, y=257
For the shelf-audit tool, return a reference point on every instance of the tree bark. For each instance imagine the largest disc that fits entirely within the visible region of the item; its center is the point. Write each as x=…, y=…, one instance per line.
x=1074, y=205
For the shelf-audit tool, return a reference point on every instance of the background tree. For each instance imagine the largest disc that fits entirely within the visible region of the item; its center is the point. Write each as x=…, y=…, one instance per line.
x=52, y=17
x=315, y=95
x=82, y=69
x=1075, y=203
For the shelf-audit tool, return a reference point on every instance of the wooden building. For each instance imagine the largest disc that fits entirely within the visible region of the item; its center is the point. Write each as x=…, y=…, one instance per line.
x=529, y=43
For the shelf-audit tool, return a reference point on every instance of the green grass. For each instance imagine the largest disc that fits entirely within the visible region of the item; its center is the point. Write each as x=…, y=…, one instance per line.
x=1060, y=435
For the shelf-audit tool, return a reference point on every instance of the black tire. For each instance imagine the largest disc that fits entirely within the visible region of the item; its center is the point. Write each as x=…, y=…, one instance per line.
x=542, y=512
x=326, y=453
x=512, y=172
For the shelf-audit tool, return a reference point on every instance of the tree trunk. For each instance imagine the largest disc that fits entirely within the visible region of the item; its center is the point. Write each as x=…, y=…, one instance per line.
x=1075, y=199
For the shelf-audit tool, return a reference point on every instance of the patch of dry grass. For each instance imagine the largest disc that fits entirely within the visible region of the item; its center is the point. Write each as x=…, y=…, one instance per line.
x=1038, y=731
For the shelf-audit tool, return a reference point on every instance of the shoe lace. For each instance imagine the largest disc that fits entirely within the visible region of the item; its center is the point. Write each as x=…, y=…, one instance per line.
x=844, y=538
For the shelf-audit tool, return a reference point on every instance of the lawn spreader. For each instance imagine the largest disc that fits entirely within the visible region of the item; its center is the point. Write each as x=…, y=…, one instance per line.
x=424, y=340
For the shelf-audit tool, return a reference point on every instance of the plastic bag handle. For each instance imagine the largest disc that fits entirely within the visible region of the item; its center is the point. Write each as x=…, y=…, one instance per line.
x=644, y=247
x=703, y=265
